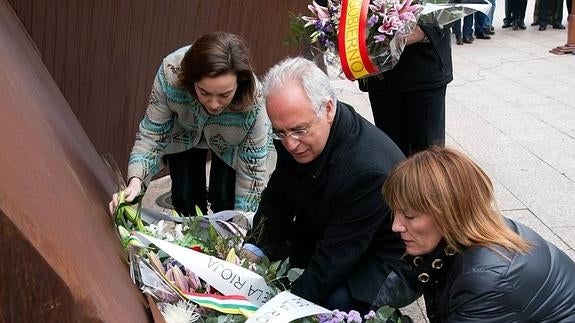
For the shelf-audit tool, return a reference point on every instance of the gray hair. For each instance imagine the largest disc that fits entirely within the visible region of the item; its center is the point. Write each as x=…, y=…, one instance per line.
x=313, y=80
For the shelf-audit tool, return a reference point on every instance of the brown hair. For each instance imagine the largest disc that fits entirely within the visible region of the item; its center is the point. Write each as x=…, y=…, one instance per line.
x=457, y=193
x=216, y=54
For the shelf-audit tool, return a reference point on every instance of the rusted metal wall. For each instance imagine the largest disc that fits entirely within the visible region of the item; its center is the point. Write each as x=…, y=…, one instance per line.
x=61, y=260
x=103, y=54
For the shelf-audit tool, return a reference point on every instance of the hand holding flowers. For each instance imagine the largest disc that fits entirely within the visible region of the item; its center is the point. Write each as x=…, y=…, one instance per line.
x=131, y=192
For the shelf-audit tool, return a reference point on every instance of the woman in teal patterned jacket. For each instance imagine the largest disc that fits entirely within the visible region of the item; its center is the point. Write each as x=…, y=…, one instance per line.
x=205, y=98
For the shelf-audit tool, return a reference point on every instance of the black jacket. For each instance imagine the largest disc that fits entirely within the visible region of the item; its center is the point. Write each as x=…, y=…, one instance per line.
x=480, y=285
x=421, y=66
x=331, y=215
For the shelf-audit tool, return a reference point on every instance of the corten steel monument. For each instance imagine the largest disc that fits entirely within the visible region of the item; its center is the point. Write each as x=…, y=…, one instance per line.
x=61, y=259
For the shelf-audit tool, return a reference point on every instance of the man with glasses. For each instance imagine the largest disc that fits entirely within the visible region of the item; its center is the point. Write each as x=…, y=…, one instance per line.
x=323, y=206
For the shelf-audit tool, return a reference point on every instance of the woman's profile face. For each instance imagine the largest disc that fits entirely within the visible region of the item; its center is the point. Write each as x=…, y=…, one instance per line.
x=418, y=231
x=216, y=93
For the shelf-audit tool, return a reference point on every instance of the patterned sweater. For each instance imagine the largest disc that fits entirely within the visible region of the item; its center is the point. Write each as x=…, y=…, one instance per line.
x=175, y=121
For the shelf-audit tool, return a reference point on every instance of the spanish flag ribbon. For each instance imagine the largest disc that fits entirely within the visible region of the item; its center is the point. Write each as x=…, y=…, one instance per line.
x=352, y=37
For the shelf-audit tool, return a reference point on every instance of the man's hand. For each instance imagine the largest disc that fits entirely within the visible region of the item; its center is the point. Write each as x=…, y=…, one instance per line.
x=417, y=35
x=130, y=193
x=250, y=255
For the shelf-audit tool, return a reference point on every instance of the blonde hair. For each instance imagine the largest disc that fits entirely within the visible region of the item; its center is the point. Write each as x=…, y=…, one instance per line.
x=457, y=193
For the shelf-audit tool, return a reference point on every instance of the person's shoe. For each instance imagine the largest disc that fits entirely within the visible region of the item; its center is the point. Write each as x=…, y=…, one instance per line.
x=515, y=25
x=521, y=25
x=559, y=26
x=482, y=35
x=458, y=41
x=488, y=31
x=542, y=27
x=491, y=28
x=535, y=23
x=467, y=39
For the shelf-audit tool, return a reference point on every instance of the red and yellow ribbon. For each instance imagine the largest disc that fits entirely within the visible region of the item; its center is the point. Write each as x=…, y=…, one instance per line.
x=352, y=37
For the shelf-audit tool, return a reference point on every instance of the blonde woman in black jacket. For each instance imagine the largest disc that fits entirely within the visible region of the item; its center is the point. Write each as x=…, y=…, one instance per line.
x=473, y=264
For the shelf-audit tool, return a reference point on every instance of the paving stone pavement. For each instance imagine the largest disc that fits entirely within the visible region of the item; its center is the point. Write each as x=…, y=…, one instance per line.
x=510, y=107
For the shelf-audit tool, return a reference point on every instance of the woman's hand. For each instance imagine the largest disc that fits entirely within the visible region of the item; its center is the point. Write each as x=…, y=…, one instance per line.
x=130, y=193
x=417, y=35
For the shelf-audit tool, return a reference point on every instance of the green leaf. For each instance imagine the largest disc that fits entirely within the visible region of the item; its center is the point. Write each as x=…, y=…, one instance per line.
x=294, y=273
x=384, y=313
x=283, y=268
x=300, y=35
x=274, y=267
x=265, y=262
x=212, y=233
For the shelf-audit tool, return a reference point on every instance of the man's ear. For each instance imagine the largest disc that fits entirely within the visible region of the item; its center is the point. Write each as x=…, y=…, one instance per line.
x=330, y=110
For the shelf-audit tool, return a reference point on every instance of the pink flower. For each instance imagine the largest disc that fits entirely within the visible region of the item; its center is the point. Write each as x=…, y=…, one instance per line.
x=406, y=10
x=321, y=15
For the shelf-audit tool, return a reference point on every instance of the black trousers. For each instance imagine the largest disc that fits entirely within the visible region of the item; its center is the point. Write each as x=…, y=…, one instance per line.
x=413, y=120
x=508, y=15
x=550, y=9
x=518, y=10
x=188, y=174
x=341, y=299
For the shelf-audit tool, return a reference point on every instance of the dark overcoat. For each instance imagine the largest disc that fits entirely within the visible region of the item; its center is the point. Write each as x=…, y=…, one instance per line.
x=329, y=215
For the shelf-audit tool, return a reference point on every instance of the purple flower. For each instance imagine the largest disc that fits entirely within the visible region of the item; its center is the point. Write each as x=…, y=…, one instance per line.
x=329, y=44
x=379, y=38
x=369, y=315
x=354, y=317
x=372, y=20
x=324, y=318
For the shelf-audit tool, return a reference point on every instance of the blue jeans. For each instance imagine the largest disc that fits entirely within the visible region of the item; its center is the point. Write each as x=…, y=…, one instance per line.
x=490, y=14
x=467, y=26
x=482, y=22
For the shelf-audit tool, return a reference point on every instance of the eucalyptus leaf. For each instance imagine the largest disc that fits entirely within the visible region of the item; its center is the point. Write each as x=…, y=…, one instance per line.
x=294, y=274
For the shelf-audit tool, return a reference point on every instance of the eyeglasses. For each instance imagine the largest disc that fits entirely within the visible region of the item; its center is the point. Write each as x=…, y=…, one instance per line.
x=296, y=134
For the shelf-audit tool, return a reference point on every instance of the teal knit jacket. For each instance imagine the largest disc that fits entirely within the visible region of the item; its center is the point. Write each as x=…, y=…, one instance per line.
x=175, y=121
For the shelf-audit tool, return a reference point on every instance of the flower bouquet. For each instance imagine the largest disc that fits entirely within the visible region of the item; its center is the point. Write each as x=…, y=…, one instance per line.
x=192, y=269
x=193, y=272
x=370, y=35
